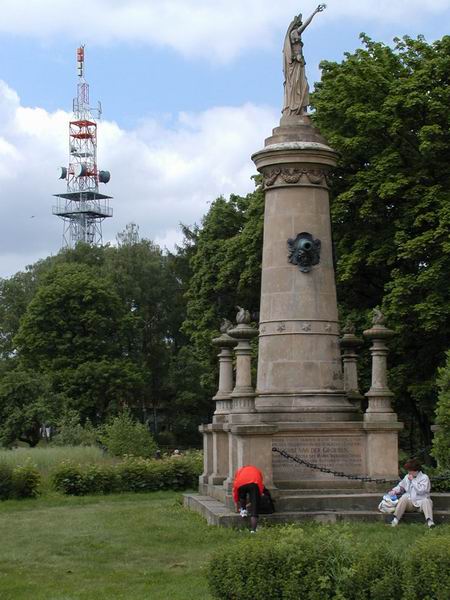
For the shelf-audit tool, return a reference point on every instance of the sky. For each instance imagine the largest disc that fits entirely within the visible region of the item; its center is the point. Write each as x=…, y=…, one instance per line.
x=189, y=89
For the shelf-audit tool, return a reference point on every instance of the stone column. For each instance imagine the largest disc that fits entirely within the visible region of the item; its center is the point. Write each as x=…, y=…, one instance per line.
x=299, y=363
x=219, y=437
x=349, y=345
x=207, y=458
x=243, y=394
x=223, y=396
x=380, y=421
x=379, y=395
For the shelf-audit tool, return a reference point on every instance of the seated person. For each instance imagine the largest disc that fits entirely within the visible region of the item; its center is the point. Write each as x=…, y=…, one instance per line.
x=414, y=492
x=247, y=488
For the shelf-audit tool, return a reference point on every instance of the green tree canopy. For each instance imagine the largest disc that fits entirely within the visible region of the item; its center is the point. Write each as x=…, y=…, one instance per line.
x=387, y=112
x=74, y=317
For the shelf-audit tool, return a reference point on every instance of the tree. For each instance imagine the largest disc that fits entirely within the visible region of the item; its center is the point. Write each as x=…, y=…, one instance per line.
x=26, y=402
x=226, y=271
x=75, y=317
x=385, y=110
x=441, y=441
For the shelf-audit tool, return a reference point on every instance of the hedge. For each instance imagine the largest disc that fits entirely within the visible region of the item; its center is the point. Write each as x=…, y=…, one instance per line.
x=325, y=564
x=131, y=475
x=19, y=482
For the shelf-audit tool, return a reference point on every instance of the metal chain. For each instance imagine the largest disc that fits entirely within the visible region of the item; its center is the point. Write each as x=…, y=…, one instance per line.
x=310, y=465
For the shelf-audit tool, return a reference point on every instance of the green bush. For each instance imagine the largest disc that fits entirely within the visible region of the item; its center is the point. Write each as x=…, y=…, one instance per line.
x=124, y=436
x=26, y=481
x=426, y=572
x=69, y=479
x=326, y=563
x=19, y=482
x=134, y=474
x=288, y=564
x=441, y=441
x=6, y=481
x=70, y=432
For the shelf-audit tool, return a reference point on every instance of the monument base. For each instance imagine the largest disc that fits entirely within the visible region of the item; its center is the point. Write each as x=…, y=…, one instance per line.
x=338, y=455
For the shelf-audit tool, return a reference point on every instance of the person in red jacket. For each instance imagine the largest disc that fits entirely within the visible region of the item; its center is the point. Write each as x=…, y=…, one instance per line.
x=248, y=484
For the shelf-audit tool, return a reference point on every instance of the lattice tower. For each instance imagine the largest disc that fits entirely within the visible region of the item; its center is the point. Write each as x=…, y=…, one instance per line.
x=82, y=207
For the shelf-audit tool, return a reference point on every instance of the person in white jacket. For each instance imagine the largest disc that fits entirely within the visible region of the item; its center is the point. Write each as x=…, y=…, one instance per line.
x=414, y=492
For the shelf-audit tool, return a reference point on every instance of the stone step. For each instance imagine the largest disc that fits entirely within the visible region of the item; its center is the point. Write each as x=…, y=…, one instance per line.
x=217, y=513
x=286, y=502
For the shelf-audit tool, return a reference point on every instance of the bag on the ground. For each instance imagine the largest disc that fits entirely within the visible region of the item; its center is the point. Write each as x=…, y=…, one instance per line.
x=388, y=504
x=266, y=505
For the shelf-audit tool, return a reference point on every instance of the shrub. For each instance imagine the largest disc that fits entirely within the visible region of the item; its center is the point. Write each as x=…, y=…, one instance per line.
x=124, y=436
x=26, y=481
x=68, y=479
x=134, y=474
x=441, y=441
x=70, y=432
x=427, y=569
x=6, y=481
x=288, y=564
x=325, y=562
x=375, y=574
x=20, y=482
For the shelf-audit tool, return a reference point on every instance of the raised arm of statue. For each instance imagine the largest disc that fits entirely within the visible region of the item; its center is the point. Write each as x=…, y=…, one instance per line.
x=304, y=25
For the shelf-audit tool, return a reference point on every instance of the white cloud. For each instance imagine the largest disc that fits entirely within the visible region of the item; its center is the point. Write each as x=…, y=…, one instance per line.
x=212, y=30
x=161, y=175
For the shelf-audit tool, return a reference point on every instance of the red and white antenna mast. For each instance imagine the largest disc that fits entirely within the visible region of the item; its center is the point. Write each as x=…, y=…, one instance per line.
x=82, y=207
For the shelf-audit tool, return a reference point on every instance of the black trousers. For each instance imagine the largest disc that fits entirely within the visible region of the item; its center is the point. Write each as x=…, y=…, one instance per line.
x=250, y=490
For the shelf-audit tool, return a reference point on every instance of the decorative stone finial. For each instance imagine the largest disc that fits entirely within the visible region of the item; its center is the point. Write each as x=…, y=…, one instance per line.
x=349, y=327
x=225, y=326
x=378, y=317
x=243, y=317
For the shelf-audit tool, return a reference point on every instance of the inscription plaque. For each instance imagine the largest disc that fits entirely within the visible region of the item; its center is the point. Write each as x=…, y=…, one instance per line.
x=340, y=453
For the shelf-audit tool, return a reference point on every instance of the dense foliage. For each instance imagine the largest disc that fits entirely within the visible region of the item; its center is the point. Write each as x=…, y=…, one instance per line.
x=19, y=482
x=328, y=563
x=441, y=441
x=131, y=475
x=125, y=436
x=387, y=112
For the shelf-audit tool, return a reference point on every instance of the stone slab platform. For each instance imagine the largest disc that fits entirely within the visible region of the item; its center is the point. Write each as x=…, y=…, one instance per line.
x=216, y=513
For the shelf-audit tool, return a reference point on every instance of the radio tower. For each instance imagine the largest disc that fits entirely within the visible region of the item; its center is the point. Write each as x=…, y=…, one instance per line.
x=82, y=207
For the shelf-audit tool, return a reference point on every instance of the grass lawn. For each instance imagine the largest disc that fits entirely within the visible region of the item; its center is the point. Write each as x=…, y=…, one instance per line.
x=123, y=546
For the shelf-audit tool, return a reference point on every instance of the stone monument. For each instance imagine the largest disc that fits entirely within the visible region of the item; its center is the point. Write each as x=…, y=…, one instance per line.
x=302, y=402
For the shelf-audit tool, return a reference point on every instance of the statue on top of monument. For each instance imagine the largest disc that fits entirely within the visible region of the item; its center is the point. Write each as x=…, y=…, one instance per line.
x=296, y=88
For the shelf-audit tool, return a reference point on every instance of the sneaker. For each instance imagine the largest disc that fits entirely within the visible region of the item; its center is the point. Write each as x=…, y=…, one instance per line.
x=243, y=512
x=252, y=530
x=394, y=522
x=430, y=523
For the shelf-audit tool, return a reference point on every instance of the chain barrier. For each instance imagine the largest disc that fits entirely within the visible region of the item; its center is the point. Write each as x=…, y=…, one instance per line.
x=364, y=478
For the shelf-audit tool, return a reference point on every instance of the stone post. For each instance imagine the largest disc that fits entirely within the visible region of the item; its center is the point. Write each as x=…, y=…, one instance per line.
x=379, y=395
x=349, y=345
x=380, y=421
x=243, y=394
x=219, y=437
x=205, y=430
x=223, y=396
